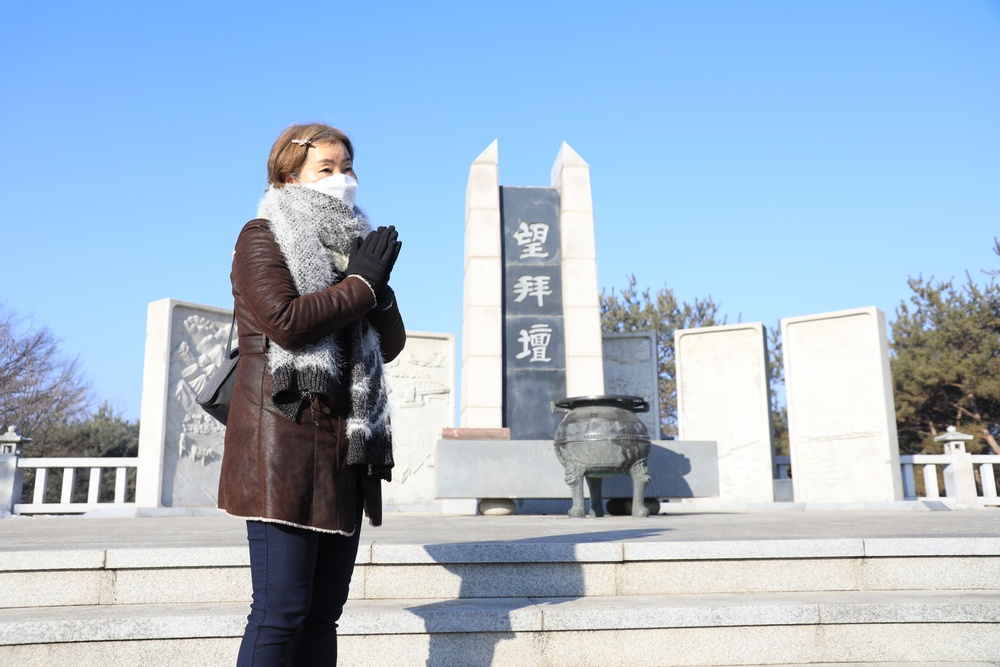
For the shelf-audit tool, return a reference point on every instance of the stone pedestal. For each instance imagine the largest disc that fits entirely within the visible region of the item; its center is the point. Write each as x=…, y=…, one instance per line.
x=841, y=416
x=722, y=395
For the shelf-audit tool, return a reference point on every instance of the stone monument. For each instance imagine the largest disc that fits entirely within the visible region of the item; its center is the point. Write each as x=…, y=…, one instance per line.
x=422, y=398
x=531, y=326
x=841, y=415
x=722, y=395
x=181, y=447
x=631, y=369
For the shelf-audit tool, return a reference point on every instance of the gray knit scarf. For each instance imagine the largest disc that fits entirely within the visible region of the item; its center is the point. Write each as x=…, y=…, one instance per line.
x=314, y=232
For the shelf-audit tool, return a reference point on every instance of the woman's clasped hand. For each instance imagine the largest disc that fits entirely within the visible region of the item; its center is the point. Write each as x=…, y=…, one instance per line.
x=373, y=257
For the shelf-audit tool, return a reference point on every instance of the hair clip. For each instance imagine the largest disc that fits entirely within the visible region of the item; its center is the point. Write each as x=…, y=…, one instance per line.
x=303, y=142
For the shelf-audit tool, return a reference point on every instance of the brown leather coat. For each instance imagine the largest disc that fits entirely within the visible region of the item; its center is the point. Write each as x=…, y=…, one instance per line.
x=273, y=468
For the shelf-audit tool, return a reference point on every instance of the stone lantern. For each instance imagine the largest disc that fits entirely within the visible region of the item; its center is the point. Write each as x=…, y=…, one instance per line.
x=10, y=476
x=953, y=440
x=959, y=475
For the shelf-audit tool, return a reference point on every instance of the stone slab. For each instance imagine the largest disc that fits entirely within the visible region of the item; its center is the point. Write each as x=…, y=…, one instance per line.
x=932, y=546
x=140, y=621
x=463, y=580
x=181, y=447
x=68, y=559
x=422, y=399
x=498, y=552
x=44, y=588
x=686, y=577
x=147, y=653
x=745, y=549
x=178, y=441
x=529, y=469
x=841, y=415
x=978, y=528
x=631, y=368
x=519, y=614
x=723, y=395
x=123, y=559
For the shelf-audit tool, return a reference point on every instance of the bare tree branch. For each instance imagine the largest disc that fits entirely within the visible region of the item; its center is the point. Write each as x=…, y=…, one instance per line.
x=39, y=387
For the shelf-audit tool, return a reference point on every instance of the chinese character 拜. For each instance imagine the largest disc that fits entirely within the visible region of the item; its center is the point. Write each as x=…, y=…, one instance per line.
x=531, y=238
x=536, y=342
x=536, y=286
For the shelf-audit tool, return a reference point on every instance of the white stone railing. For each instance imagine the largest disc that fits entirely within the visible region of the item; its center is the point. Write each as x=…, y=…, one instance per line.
x=69, y=466
x=958, y=472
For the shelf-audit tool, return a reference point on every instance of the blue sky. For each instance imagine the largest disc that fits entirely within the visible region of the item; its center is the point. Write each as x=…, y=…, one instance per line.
x=786, y=158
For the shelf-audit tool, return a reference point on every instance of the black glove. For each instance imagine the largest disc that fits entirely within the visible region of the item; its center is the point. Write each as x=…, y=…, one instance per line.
x=373, y=257
x=385, y=298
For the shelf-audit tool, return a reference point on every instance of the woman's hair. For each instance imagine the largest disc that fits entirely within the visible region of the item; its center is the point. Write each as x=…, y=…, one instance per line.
x=288, y=153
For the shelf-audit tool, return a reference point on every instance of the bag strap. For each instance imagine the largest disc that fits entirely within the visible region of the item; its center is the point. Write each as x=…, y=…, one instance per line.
x=232, y=327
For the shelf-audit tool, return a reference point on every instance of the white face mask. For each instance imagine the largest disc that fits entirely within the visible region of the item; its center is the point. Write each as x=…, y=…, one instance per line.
x=341, y=186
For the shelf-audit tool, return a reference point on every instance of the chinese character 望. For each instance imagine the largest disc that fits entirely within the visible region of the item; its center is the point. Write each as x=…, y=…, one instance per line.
x=536, y=286
x=531, y=238
x=536, y=342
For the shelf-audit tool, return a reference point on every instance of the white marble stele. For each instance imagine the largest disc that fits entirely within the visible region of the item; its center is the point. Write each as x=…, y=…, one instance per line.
x=631, y=369
x=181, y=447
x=722, y=395
x=841, y=415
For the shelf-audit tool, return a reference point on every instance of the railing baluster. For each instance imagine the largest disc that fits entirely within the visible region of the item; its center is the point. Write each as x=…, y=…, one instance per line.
x=989, y=480
x=931, y=481
x=94, y=489
x=69, y=477
x=909, y=484
x=121, y=476
x=41, y=482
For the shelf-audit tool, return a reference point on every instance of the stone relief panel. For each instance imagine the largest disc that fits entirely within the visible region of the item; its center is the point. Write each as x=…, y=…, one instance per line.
x=194, y=441
x=422, y=396
x=630, y=369
x=421, y=393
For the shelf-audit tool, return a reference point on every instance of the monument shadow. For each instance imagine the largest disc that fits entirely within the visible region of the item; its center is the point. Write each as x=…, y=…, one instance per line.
x=539, y=567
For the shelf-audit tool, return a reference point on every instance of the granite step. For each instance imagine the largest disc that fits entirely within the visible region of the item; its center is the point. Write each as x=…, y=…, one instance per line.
x=220, y=574
x=732, y=629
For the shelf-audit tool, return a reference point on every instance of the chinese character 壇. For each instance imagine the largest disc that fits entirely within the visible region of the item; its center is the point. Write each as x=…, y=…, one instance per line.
x=536, y=342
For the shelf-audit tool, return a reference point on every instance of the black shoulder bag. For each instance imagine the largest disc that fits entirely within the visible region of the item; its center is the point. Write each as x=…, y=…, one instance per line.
x=215, y=397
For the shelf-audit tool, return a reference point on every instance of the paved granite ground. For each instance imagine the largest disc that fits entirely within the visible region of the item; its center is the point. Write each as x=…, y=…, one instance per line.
x=56, y=533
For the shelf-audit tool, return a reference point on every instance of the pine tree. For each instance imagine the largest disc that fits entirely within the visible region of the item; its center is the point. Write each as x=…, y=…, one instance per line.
x=661, y=313
x=946, y=362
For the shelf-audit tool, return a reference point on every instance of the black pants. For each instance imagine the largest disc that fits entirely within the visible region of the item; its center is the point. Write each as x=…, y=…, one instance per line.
x=300, y=582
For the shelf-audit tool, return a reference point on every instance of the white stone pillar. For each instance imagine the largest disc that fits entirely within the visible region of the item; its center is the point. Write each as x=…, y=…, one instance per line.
x=841, y=415
x=722, y=395
x=153, y=411
x=482, y=330
x=581, y=301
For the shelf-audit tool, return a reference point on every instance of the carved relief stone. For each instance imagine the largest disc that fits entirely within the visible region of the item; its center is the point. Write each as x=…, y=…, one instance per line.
x=422, y=396
x=195, y=442
x=181, y=447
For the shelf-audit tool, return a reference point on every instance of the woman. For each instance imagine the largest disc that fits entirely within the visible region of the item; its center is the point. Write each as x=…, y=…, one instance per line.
x=308, y=439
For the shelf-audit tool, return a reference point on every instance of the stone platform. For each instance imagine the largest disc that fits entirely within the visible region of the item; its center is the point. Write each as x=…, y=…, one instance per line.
x=738, y=588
